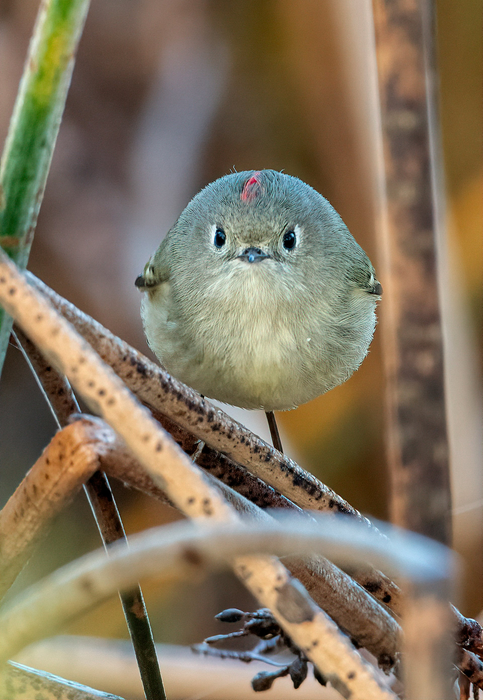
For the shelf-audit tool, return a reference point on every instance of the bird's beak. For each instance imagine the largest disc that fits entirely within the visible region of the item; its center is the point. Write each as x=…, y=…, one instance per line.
x=253, y=255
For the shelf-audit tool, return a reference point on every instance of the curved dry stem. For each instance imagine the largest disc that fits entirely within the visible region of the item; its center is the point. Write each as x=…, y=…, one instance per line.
x=67, y=463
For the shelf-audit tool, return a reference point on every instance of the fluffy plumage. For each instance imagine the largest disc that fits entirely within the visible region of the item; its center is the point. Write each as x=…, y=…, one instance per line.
x=259, y=296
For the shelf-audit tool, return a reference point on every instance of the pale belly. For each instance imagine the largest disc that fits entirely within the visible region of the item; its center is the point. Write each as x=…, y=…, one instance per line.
x=258, y=370
x=251, y=360
x=254, y=363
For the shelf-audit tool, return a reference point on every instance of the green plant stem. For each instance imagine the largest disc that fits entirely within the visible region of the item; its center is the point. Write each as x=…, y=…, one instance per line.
x=33, y=129
x=108, y=519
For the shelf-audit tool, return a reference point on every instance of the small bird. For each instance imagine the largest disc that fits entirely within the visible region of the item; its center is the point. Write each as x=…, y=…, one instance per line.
x=259, y=296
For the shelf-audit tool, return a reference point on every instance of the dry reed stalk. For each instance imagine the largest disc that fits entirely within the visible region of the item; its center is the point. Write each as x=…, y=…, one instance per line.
x=411, y=323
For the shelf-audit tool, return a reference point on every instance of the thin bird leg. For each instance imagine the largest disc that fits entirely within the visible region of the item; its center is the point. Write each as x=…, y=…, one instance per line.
x=200, y=447
x=272, y=424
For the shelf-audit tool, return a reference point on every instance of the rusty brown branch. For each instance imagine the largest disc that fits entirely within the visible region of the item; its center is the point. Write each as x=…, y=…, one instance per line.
x=70, y=459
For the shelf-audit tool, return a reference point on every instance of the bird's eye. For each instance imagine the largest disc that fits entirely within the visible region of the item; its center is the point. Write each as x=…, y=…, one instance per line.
x=220, y=238
x=289, y=240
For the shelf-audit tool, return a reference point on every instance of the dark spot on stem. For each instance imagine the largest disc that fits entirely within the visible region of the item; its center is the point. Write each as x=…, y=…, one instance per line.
x=372, y=586
x=192, y=556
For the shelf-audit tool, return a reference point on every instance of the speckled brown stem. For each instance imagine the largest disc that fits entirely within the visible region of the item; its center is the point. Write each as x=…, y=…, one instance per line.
x=225, y=469
x=49, y=486
x=472, y=667
x=411, y=323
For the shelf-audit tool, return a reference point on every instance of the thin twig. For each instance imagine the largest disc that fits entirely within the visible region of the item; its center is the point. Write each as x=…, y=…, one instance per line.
x=273, y=427
x=60, y=397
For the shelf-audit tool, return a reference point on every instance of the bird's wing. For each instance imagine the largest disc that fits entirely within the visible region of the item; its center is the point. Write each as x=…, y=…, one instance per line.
x=364, y=276
x=156, y=270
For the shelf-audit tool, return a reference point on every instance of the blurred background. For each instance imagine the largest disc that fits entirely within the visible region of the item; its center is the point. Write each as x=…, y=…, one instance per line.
x=167, y=96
